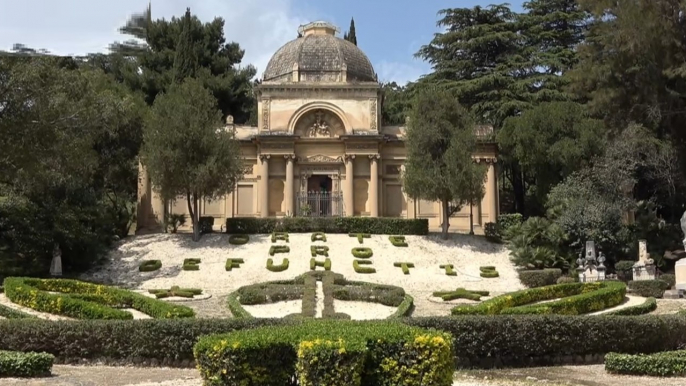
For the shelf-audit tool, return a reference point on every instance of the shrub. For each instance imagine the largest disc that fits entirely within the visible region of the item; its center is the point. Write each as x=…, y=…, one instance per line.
x=150, y=265
x=381, y=354
x=404, y=309
x=540, y=278
x=405, y=266
x=370, y=225
x=9, y=313
x=326, y=264
x=648, y=288
x=360, y=236
x=625, y=270
x=578, y=298
x=309, y=304
x=173, y=222
x=206, y=224
x=507, y=221
x=362, y=252
x=398, y=241
x=29, y=364
x=664, y=364
x=270, y=292
x=488, y=272
x=86, y=300
x=357, y=266
x=239, y=239
x=387, y=295
x=235, y=307
x=566, y=279
x=646, y=307
x=283, y=236
x=669, y=279
x=233, y=263
x=277, y=268
x=460, y=293
x=318, y=236
x=191, y=265
x=538, y=243
x=175, y=291
x=449, y=269
x=492, y=232
x=274, y=249
x=319, y=250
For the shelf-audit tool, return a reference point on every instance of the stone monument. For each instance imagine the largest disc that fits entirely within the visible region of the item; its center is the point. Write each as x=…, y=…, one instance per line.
x=56, y=263
x=591, y=268
x=680, y=266
x=644, y=269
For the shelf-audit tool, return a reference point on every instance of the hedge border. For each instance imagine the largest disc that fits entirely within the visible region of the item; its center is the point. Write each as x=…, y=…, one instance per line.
x=398, y=241
x=10, y=313
x=357, y=266
x=150, y=265
x=319, y=250
x=277, y=267
x=360, y=236
x=370, y=225
x=362, y=252
x=326, y=264
x=664, y=364
x=404, y=309
x=449, y=269
x=274, y=249
x=646, y=307
x=232, y=263
x=318, y=236
x=405, y=266
x=25, y=364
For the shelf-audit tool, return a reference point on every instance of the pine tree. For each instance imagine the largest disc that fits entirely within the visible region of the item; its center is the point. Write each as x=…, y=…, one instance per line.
x=137, y=27
x=350, y=35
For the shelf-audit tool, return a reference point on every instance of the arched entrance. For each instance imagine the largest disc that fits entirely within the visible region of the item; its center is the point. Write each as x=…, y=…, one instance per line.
x=319, y=194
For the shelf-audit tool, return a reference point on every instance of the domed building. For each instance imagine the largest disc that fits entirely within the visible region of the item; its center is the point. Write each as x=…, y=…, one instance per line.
x=319, y=148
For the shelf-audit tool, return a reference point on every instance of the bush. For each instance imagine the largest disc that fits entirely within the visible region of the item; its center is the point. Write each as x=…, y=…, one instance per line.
x=326, y=264
x=175, y=291
x=566, y=279
x=150, y=265
x=233, y=263
x=239, y=239
x=578, y=298
x=319, y=250
x=9, y=313
x=388, y=295
x=206, y=224
x=191, y=265
x=360, y=236
x=648, y=288
x=538, y=243
x=283, y=236
x=318, y=236
x=646, y=307
x=492, y=232
x=274, y=249
x=279, y=267
x=404, y=309
x=449, y=269
x=398, y=241
x=235, y=307
x=540, y=278
x=488, y=272
x=664, y=364
x=270, y=292
x=625, y=270
x=370, y=225
x=357, y=266
x=405, y=266
x=174, y=221
x=362, y=252
x=309, y=304
x=507, y=221
x=86, y=300
x=30, y=364
x=460, y=293
x=669, y=279
x=369, y=353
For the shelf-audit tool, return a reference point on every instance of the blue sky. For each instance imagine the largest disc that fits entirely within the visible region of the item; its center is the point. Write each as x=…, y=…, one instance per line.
x=389, y=31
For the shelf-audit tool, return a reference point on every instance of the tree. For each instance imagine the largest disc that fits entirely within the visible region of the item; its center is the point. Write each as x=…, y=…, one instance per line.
x=550, y=142
x=439, y=166
x=396, y=103
x=187, y=151
x=350, y=35
x=186, y=59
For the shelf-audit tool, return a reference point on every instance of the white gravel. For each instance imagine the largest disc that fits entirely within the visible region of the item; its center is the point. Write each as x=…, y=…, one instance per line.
x=466, y=253
x=629, y=301
x=275, y=310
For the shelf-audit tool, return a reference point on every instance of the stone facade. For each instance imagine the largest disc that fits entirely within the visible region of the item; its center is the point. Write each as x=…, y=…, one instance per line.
x=320, y=148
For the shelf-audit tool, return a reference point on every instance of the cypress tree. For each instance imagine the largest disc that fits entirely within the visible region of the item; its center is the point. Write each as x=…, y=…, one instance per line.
x=186, y=60
x=350, y=35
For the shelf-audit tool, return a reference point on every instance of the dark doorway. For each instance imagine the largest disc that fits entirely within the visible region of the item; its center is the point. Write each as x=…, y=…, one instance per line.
x=319, y=200
x=319, y=184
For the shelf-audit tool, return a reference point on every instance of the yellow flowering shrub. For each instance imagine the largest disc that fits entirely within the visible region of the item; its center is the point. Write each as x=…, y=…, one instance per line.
x=84, y=300
x=327, y=352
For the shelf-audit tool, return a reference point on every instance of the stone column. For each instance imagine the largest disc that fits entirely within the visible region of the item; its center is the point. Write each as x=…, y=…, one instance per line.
x=349, y=192
x=493, y=187
x=144, y=199
x=264, y=186
x=290, y=204
x=374, y=185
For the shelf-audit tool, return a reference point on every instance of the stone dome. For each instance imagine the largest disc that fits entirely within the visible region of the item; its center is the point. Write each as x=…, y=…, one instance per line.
x=319, y=56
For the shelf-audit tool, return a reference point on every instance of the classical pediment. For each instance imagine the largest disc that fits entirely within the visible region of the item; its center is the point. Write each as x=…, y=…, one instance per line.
x=320, y=158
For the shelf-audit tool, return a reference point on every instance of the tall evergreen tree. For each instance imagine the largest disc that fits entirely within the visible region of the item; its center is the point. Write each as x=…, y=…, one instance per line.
x=137, y=28
x=186, y=60
x=350, y=35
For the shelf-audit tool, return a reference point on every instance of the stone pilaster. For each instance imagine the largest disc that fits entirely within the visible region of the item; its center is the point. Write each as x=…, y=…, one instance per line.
x=374, y=185
x=493, y=193
x=348, y=190
x=264, y=186
x=288, y=195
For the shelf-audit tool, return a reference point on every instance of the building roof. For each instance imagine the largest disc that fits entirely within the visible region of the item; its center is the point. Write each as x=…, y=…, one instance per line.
x=319, y=56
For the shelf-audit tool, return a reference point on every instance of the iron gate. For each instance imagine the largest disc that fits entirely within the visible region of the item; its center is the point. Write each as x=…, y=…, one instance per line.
x=319, y=204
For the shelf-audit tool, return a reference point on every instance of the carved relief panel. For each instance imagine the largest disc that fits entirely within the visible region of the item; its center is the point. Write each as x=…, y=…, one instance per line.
x=320, y=124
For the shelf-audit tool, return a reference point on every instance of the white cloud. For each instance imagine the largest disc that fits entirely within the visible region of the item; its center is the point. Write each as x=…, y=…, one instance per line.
x=76, y=27
x=401, y=73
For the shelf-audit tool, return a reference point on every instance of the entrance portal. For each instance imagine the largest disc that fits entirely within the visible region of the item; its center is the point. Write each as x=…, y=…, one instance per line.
x=319, y=200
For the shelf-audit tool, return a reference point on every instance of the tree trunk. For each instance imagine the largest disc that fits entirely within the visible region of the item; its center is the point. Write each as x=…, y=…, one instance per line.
x=471, y=218
x=193, y=212
x=518, y=188
x=446, y=218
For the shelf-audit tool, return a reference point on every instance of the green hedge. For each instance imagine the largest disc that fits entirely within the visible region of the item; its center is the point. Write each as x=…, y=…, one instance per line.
x=460, y=293
x=540, y=277
x=239, y=239
x=388, y=295
x=319, y=250
x=664, y=364
x=274, y=249
x=648, y=288
x=318, y=236
x=449, y=269
x=30, y=364
x=206, y=224
x=83, y=300
x=150, y=266
x=404, y=266
x=175, y=291
x=488, y=272
x=360, y=236
x=326, y=264
x=371, y=225
x=646, y=307
x=9, y=313
x=480, y=341
x=362, y=252
x=668, y=278
x=232, y=263
x=332, y=353
x=578, y=298
x=358, y=267
x=277, y=267
x=398, y=241
x=404, y=309
x=191, y=265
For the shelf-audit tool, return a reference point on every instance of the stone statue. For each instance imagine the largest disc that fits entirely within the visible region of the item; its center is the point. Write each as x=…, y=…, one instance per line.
x=56, y=263
x=683, y=228
x=320, y=128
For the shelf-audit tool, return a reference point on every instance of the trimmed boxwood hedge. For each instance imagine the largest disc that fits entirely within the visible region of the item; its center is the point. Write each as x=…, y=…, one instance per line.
x=358, y=267
x=360, y=236
x=362, y=252
x=512, y=340
x=9, y=313
x=664, y=364
x=577, y=298
x=398, y=241
x=277, y=267
x=405, y=267
x=646, y=307
x=84, y=300
x=540, y=277
x=150, y=266
x=371, y=225
x=29, y=364
x=239, y=239
x=191, y=264
x=648, y=288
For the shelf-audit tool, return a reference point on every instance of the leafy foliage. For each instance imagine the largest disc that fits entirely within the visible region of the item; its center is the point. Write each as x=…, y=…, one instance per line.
x=19, y=365
x=368, y=225
x=538, y=243
x=540, y=278
x=664, y=364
